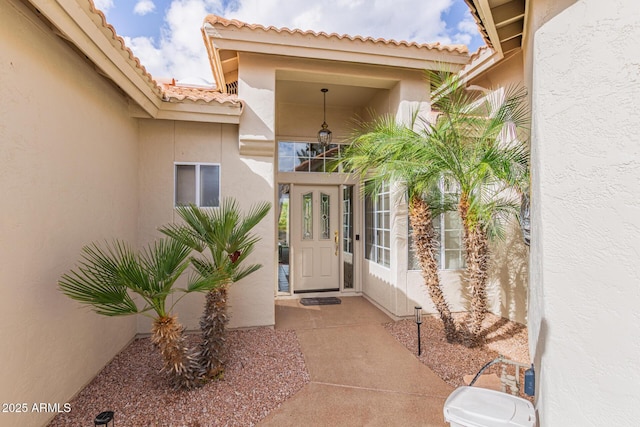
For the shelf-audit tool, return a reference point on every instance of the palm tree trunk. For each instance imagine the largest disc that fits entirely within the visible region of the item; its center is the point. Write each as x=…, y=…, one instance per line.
x=476, y=245
x=212, y=324
x=180, y=361
x=424, y=238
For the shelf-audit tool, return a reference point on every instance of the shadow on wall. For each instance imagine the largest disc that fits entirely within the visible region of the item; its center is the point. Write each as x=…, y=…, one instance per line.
x=538, y=353
x=509, y=276
x=454, y=286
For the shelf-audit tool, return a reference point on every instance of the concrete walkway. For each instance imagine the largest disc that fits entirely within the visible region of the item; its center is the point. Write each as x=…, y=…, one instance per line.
x=360, y=375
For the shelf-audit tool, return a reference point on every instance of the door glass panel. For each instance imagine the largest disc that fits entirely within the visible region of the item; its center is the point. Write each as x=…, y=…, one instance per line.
x=283, y=238
x=347, y=236
x=347, y=219
x=325, y=219
x=307, y=216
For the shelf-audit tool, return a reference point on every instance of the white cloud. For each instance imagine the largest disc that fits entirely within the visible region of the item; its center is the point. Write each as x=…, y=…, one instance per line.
x=182, y=44
x=180, y=52
x=143, y=7
x=461, y=38
x=468, y=26
x=103, y=5
x=150, y=56
x=411, y=20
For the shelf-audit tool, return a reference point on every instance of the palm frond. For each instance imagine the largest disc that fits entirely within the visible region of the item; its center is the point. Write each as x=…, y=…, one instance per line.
x=97, y=281
x=244, y=271
x=205, y=282
x=108, y=272
x=184, y=234
x=224, y=231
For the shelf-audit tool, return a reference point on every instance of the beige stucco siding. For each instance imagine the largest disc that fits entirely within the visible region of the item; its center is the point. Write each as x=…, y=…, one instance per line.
x=162, y=144
x=300, y=122
x=507, y=287
x=584, y=322
x=256, y=86
x=507, y=73
x=68, y=159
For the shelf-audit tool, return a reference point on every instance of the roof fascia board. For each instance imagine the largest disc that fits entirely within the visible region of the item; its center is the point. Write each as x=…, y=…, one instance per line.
x=298, y=45
x=78, y=28
x=214, y=61
x=484, y=10
x=526, y=24
x=194, y=112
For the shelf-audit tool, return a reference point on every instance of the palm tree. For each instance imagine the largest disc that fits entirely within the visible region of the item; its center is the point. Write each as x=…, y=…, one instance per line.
x=475, y=147
x=226, y=233
x=378, y=153
x=472, y=151
x=107, y=275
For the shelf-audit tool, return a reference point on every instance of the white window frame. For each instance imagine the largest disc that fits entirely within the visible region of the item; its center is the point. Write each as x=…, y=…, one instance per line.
x=442, y=252
x=325, y=161
x=376, y=227
x=441, y=232
x=197, y=172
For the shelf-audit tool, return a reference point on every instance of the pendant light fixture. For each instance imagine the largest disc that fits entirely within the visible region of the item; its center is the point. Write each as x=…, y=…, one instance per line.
x=324, y=134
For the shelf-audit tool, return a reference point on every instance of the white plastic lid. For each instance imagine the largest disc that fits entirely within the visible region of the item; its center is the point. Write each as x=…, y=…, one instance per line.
x=481, y=407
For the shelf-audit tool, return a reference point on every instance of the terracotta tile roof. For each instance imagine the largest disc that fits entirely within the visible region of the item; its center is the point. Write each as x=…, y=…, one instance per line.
x=481, y=29
x=173, y=93
x=101, y=22
x=165, y=91
x=477, y=53
x=214, y=19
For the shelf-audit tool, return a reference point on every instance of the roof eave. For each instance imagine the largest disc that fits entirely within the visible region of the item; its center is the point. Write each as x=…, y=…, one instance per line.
x=304, y=45
x=503, y=25
x=83, y=26
x=184, y=110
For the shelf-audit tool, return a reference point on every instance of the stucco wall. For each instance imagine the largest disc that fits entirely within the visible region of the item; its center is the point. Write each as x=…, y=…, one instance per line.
x=299, y=122
x=162, y=143
x=68, y=161
x=506, y=73
x=584, y=321
x=507, y=288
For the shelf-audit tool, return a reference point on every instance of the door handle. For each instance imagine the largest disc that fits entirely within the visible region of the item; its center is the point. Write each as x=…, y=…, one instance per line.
x=335, y=239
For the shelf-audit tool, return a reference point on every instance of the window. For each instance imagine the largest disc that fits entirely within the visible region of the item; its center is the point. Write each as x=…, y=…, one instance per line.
x=306, y=156
x=377, y=226
x=198, y=184
x=450, y=255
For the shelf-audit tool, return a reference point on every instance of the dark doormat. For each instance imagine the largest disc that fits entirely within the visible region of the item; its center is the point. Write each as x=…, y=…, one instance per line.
x=320, y=301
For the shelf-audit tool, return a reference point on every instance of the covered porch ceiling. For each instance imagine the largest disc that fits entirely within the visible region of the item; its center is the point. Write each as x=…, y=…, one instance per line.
x=297, y=87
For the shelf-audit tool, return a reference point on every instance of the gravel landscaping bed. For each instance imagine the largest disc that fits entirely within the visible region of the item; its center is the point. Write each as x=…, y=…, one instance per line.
x=265, y=367
x=453, y=361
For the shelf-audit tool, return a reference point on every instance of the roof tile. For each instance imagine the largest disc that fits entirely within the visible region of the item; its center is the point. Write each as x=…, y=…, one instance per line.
x=168, y=92
x=214, y=19
x=180, y=93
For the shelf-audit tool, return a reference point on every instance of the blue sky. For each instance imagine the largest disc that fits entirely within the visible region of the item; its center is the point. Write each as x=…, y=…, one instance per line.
x=165, y=34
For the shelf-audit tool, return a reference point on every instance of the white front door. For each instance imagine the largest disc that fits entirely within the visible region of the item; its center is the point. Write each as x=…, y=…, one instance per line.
x=315, y=238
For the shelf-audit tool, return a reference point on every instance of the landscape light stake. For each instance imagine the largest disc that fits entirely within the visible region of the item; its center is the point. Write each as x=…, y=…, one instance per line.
x=418, y=312
x=104, y=418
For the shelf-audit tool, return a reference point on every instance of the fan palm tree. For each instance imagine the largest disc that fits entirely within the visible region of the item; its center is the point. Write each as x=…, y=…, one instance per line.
x=377, y=153
x=108, y=274
x=226, y=233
